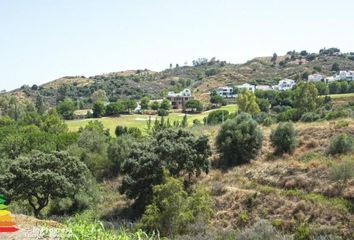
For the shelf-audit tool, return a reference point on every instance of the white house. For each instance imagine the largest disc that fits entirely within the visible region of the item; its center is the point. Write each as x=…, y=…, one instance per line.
x=346, y=75
x=247, y=86
x=264, y=87
x=225, y=92
x=332, y=78
x=285, y=84
x=315, y=77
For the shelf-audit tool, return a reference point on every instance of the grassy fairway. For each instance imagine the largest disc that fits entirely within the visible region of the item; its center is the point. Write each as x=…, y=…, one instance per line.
x=345, y=95
x=139, y=120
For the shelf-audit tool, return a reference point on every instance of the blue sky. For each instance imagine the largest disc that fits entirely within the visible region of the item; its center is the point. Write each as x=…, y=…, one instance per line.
x=41, y=40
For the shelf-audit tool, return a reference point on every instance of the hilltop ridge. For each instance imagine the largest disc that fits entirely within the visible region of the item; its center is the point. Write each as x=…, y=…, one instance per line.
x=201, y=77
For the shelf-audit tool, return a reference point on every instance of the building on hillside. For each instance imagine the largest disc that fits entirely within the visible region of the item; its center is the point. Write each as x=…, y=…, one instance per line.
x=346, y=75
x=264, y=87
x=247, y=86
x=315, y=77
x=285, y=84
x=332, y=79
x=225, y=92
x=178, y=100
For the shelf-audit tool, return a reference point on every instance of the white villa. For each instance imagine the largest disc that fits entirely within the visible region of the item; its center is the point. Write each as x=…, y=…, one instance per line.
x=225, y=92
x=343, y=75
x=346, y=75
x=315, y=77
x=247, y=86
x=285, y=84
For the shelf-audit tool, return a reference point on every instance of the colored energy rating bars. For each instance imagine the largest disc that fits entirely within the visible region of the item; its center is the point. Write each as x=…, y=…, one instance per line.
x=7, y=223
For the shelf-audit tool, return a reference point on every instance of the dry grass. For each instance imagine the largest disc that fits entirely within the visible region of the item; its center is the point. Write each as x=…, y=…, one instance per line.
x=287, y=190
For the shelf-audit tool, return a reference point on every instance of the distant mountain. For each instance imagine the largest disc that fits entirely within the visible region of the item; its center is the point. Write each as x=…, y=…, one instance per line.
x=203, y=76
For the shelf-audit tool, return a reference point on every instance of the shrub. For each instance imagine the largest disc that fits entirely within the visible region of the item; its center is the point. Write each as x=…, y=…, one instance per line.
x=336, y=114
x=268, y=121
x=162, y=112
x=216, y=117
x=259, y=117
x=292, y=114
x=343, y=171
x=172, y=210
x=264, y=104
x=341, y=143
x=283, y=138
x=261, y=230
x=341, y=124
x=132, y=131
x=239, y=140
x=217, y=188
x=310, y=117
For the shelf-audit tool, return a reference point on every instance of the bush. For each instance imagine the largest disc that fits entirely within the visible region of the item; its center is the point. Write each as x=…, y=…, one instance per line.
x=283, y=138
x=343, y=171
x=341, y=143
x=310, y=117
x=336, y=114
x=132, y=131
x=172, y=210
x=239, y=140
x=261, y=230
x=268, y=121
x=259, y=117
x=341, y=124
x=292, y=114
x=162, y=112
x=216, y=117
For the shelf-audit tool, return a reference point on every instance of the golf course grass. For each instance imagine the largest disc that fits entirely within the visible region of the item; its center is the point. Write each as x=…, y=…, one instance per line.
x=139, y=120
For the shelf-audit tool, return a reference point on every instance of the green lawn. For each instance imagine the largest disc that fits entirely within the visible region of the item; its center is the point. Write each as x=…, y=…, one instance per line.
x=345, y=95
x=139, y=120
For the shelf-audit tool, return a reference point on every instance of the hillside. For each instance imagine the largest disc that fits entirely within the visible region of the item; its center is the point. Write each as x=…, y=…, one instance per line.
x=201, y=77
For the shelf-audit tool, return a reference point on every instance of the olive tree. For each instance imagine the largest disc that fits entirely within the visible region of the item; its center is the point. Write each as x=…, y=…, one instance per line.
x=239, y=140
x=40, y=177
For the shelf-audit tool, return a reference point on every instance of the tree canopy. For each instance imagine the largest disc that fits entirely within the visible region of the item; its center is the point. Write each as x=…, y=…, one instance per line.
x=40, y=177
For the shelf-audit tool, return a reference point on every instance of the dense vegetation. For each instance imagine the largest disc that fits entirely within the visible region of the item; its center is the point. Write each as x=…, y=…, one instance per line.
x=154, y=180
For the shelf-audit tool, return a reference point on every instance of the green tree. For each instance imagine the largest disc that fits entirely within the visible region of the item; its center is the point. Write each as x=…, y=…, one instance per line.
x=40, y=106
x=182, y=153
x=47, y=176
x=98, y=109
x=334, y=87
x=322, y=88
x=264, y=104
x=144, y=103
x=143, y=169
x=99, y=96
x=283, y=138
x=246, y=101
x=335, y=67
x=119, y=151
x=341, y=143
x=195, y=105
x=216, y=99
x=114, y=109
x=217, y=116
x=155, y=105
x=184, y=122
x=165, y=105
x=239, y=140
x=172, y=210
x=129, y=104
x=305, y=97
x=66, y=109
